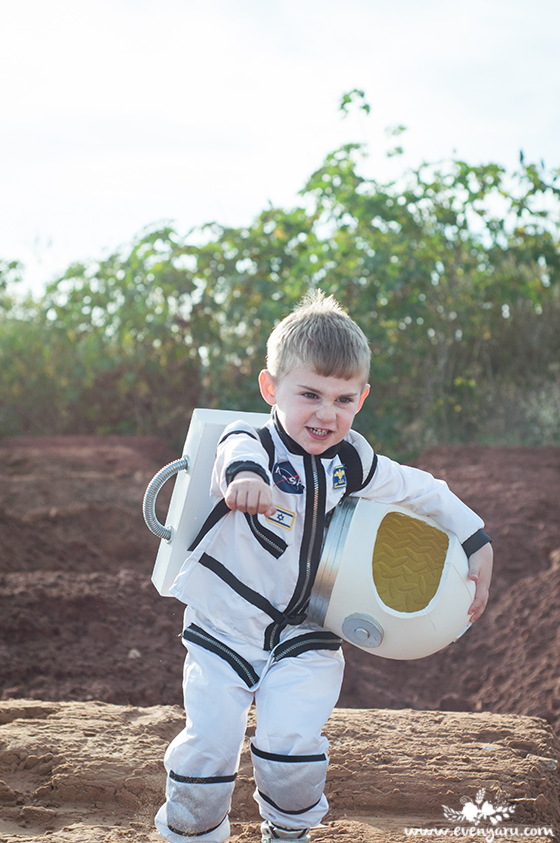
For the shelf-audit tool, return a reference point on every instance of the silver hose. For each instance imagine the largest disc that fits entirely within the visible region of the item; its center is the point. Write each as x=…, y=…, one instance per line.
x=151, y=493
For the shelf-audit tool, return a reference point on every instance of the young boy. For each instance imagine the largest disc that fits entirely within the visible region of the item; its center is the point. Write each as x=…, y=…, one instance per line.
x=249, y=574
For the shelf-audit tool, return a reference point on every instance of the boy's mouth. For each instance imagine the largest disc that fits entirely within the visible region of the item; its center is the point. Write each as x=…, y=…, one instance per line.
x=319, y=432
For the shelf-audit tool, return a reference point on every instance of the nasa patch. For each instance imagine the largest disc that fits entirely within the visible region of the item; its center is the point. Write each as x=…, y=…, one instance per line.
x=339, y=477
x=287, y=479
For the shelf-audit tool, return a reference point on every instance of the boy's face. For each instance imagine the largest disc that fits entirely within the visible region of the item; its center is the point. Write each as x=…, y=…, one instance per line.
x=316, y=411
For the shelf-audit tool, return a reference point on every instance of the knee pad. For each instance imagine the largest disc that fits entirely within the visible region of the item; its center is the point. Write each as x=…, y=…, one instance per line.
x=292, y=784
x=197, y=805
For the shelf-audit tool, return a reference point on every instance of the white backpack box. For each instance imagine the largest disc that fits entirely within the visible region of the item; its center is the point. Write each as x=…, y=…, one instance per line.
x=190, y=502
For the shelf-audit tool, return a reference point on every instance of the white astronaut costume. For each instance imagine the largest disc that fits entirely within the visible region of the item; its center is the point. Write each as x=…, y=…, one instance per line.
x=247, y=580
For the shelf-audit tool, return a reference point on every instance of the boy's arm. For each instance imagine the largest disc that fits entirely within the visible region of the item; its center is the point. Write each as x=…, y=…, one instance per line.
x=241, y=471
x=480, y=572
x=419, y=491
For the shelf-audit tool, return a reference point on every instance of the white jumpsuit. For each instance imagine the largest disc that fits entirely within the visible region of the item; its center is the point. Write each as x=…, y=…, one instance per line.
x=247, y=581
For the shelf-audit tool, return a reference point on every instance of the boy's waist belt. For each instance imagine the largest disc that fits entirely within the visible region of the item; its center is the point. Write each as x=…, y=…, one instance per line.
x=293, y=647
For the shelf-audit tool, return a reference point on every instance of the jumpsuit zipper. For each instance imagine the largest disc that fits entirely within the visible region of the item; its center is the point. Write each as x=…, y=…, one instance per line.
x=313, y=524
x=227, y=650
x=295, y=646
x=265, y=538
x=312, y=541
x=254, y=525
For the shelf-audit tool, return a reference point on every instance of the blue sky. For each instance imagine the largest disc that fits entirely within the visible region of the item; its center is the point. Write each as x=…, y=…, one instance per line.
x=114, y=115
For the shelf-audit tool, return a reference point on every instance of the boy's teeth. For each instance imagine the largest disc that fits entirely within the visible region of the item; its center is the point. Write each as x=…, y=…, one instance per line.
x=319, y=431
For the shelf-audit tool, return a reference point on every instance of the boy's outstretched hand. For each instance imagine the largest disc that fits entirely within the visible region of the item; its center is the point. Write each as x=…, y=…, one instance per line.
x=248, y=492
x=480, y=572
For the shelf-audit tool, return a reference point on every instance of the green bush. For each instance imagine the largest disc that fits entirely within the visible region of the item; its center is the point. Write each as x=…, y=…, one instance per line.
x=452, y=272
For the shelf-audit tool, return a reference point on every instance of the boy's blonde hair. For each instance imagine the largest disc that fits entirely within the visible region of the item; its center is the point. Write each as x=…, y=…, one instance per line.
x=319, y=334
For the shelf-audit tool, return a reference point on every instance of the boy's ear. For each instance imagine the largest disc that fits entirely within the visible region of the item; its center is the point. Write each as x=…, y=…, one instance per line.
x=267, y=386
x=363, y=396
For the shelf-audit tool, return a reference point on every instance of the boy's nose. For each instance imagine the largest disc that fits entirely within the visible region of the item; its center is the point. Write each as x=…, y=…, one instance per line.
x=326, y=412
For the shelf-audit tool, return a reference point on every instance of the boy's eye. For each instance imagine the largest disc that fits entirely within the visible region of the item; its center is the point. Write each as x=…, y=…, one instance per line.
x=344, y=400
x=310, y=395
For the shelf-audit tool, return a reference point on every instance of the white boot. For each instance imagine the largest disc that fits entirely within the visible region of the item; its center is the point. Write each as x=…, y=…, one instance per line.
x=272, y=832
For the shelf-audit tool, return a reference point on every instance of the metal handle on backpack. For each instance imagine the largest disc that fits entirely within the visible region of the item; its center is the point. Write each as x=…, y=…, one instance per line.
x=152, y=491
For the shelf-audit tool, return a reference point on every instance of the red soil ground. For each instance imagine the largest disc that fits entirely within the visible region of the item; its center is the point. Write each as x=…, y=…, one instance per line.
x=80, y=619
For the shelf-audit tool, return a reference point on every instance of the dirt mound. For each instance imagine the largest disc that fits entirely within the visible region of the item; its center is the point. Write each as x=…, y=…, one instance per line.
x=85, y=772
x=79, y=618
x=41, y=475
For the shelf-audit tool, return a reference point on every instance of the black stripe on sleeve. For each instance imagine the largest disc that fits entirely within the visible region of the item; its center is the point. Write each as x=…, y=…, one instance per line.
x=246, y=465
x=371, y=472
x=237, y=433
x=475, y=542
x=268, y=445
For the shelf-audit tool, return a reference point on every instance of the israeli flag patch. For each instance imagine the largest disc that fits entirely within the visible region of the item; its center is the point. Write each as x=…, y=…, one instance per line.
x=339, y=477
x=283, y=517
